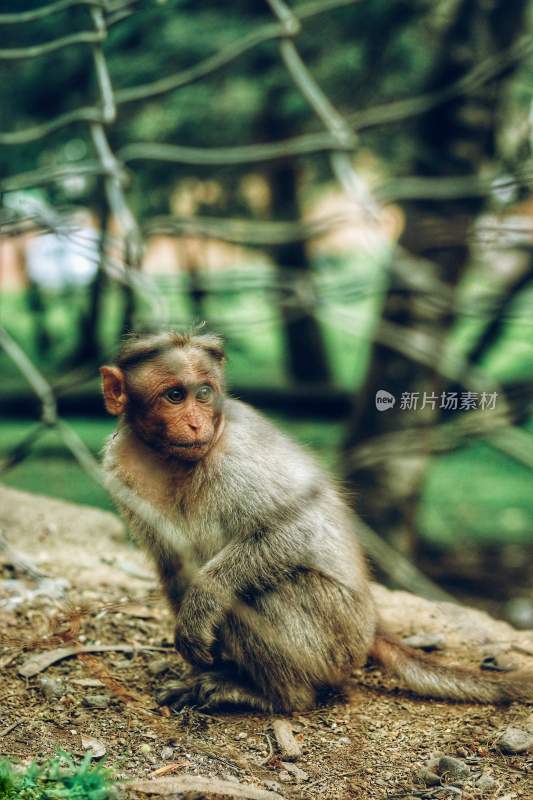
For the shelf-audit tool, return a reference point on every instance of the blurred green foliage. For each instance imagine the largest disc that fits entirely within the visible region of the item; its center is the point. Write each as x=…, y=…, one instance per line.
x=59, y=778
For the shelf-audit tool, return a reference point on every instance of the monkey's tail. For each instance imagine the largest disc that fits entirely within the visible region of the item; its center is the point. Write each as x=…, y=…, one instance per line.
x=427, y=678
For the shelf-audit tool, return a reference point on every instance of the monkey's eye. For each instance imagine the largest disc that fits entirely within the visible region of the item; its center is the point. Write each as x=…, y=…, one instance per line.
x=175, y=395
x=204, y=393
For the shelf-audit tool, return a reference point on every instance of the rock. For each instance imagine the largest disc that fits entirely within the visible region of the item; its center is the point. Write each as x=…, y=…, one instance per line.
x=95, y=747
x=167, y=753
x=519, y=612
x=284, y=776
x=299, y=775
x=428, y=777
x=425, y=641
x=485, y=783
x=515, y=740
x=344, y=740
x=96, y=700
x=51, y=687
x=432, y=762
x=453, y=770
x=156, y=666
x=274, y=786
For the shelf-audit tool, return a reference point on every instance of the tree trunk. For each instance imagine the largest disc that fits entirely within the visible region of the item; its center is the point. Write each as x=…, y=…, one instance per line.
x=457, y=138
x=307, y=360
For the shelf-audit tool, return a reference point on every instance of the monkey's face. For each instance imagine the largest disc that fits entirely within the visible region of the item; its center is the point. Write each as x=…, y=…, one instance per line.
x=174, y=404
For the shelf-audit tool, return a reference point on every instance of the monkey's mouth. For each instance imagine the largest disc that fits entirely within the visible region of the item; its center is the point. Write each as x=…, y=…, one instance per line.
x=191, y=445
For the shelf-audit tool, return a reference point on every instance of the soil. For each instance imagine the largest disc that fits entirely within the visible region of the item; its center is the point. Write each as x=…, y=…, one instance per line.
x=370, y=746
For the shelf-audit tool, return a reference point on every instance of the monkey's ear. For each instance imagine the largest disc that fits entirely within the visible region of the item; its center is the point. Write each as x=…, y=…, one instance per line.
x=114, y=389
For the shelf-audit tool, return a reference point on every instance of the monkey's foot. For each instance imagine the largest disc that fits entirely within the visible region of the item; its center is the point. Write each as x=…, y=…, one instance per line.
x=211, y=690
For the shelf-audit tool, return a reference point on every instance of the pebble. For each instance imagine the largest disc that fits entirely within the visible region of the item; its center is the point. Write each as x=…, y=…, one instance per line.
x=274, y=786
x=425, y=641
x=344, y=740
x=453, y=770
x=96, y=700
x=299, y=775
x=428, y=777
x=284, y=776
x=485, y=782
x=158, y=665
x=515, y=740
x=432, y=762
x=51, y=687
x=167, y=753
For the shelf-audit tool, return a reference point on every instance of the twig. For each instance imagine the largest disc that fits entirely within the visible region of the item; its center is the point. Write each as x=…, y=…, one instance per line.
x=290, y=749
x=270, y=751
x=10, y=728
x=184, y=784
x=42, y=661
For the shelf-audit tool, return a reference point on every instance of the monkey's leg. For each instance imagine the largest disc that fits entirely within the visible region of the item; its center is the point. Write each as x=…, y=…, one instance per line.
x=301, y=640
x=211, y=689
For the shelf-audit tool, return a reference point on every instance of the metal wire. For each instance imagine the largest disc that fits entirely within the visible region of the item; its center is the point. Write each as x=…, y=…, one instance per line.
x=122, y=253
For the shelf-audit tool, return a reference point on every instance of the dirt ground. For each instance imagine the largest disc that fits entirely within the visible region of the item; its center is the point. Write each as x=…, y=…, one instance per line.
x=373, y=746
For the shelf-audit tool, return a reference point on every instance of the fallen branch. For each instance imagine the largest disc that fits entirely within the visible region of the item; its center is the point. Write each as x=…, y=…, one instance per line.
x=42, y=661
x=290, y=749
x=208, y=787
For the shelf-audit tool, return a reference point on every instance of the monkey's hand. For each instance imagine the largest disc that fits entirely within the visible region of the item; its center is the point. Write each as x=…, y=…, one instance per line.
x=200, y=613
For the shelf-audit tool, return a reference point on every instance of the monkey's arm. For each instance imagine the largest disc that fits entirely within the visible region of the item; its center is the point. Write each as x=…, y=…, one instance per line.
x=251, y=562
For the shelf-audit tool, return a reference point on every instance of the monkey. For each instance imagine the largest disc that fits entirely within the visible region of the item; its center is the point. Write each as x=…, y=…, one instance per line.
x=252, y=540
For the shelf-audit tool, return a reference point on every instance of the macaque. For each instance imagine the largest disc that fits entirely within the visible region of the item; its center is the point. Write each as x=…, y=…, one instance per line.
x=253, y=542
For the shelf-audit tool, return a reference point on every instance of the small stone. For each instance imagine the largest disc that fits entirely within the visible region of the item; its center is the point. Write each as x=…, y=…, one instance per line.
x=299, y=775
x=167, y=753
x=158, y=665
x=427, y=777
x=51, y=687
x=485, y=782
x=425, y=641
x=284, y=776
x=453, y=770
x=96, y=700
x=242, y=735
x=274, y=786
x=515, y=740
x=344, y=740
x=432, y=762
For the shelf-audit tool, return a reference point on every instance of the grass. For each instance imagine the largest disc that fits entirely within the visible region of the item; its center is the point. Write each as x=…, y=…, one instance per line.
x=59, y=778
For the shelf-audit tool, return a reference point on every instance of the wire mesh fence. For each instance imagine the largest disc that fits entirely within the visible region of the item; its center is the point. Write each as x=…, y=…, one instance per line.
x=325, y=296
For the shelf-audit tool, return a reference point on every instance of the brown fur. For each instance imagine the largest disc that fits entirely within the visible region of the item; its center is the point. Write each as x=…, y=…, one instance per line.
x=253, y=542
